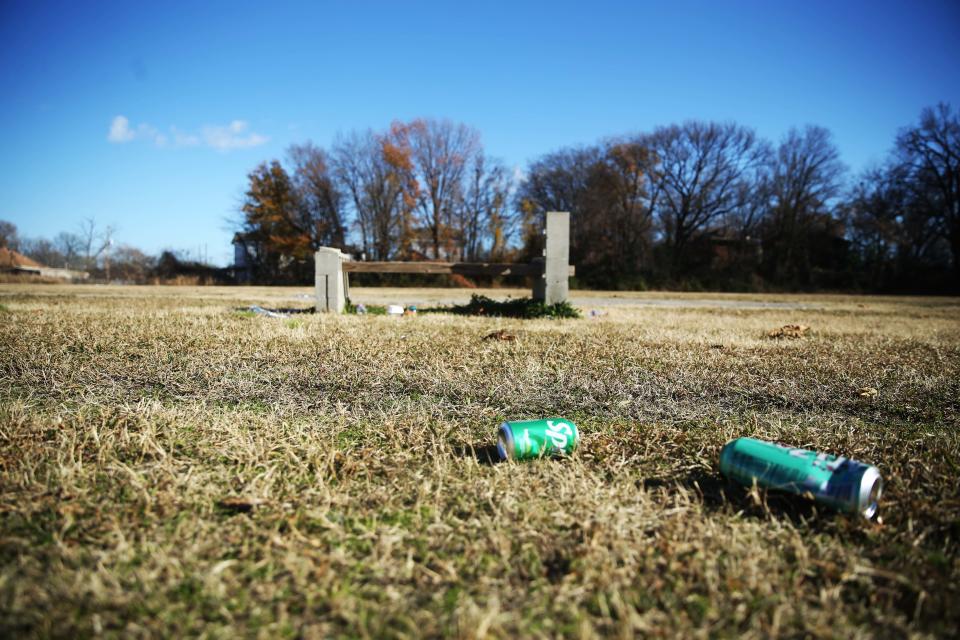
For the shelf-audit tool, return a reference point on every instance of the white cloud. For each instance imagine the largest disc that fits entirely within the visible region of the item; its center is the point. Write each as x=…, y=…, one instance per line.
x=147, y=132
x=183, y=139
x=232, y=136
x=235, y=135
x=120, y=130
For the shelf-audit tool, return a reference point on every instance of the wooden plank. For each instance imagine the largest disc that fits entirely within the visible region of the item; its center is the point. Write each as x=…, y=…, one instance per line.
x=495, y=269
x=398, y=267
x=462, y=268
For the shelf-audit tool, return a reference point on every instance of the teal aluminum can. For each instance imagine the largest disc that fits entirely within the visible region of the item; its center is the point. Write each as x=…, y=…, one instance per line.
x=838, y=482
x=525, y=439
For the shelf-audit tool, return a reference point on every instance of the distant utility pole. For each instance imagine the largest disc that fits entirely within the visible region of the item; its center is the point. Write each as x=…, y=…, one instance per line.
x=106, y=260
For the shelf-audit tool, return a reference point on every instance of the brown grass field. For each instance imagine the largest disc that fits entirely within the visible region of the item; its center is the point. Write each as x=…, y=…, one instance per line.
x=172, y=467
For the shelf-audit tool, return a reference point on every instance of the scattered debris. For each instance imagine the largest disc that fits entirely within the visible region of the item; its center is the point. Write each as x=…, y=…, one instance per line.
x=260, y=311
x=868, y=392
x=411, y=310
x=394, y=310
x=240, y=505
x=364, y=309
x=596, y=314
x=500, y=334
x=789, y=331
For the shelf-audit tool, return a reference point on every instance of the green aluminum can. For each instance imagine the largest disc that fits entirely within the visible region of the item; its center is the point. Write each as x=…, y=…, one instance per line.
x=525, y=439
x=838, y=482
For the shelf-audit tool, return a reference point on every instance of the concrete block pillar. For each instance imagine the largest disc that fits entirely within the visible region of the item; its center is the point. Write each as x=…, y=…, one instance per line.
x=554, y=285
x=330, y=280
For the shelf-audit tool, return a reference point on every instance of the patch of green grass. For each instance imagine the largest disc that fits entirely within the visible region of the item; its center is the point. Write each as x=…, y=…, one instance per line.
x=524, y=308
x=371, y=309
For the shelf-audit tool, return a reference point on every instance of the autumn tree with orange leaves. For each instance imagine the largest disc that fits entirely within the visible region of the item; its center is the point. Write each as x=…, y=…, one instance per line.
x=378, y=177
x=437, y=154
x=289, y=216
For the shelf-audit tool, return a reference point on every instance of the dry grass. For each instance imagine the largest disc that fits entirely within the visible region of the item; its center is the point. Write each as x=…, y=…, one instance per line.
x=171, y=467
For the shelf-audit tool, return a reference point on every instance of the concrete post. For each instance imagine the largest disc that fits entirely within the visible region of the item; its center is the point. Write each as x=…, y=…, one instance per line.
x=330, y=280
x=555, y=284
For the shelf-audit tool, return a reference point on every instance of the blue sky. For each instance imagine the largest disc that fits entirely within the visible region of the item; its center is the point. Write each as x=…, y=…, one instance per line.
x=207, y=90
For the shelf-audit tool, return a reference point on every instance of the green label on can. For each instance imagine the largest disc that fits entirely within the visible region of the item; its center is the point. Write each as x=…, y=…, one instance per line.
x=526, y=439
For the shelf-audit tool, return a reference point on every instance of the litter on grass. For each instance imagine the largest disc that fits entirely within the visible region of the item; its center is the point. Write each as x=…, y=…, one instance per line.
x=835, y=481
x=529, y=439
x=789, y=331
x=260, y=311
x=240, y=505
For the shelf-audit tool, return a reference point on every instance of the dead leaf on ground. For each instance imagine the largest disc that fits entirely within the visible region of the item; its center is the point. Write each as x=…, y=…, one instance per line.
x=789, y=331
x=868, y=392
x=240, y=505
x=500, y=335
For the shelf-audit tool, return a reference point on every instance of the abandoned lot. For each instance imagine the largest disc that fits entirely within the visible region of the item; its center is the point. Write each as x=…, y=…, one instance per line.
x=172, y=466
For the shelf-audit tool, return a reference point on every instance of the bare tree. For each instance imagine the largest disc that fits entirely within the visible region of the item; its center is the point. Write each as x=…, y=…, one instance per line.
x=43, y=251
x=70, y=248
x=440, y=151
x=618, y=208
x=703, y=175
x=8, y=235
x=607, y=189
x=132, y=265
x=376, y=191
x=805, y=179
x=319, y=207
x=94, y=241
x=557, y=181
x=929, y=157
x=484, y=213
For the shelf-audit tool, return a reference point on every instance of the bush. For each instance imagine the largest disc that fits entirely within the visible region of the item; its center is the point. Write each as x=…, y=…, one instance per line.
x=526, y=308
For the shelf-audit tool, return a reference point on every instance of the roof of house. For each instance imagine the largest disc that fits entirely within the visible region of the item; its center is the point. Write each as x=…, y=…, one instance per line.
x=10, y=259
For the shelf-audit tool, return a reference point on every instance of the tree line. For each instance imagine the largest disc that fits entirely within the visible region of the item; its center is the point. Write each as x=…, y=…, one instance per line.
x=90, y=249
x=420, y=190
x=697, y=204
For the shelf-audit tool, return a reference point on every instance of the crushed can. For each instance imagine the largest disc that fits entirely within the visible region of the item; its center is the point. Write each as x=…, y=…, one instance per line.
x=835, y=481
x=526, y=439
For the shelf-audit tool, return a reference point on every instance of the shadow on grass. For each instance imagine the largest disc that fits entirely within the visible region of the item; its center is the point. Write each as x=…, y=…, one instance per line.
x=720, y=494
x=287, y=310
x=486, y=454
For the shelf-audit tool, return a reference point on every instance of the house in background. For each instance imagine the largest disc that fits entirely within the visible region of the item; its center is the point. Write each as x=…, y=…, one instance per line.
x=245, y=251
x=17, y=263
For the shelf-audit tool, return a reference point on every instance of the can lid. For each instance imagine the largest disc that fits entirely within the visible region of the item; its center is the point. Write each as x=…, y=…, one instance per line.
x=505, y=445
x=871, y=488
x=725, y=453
